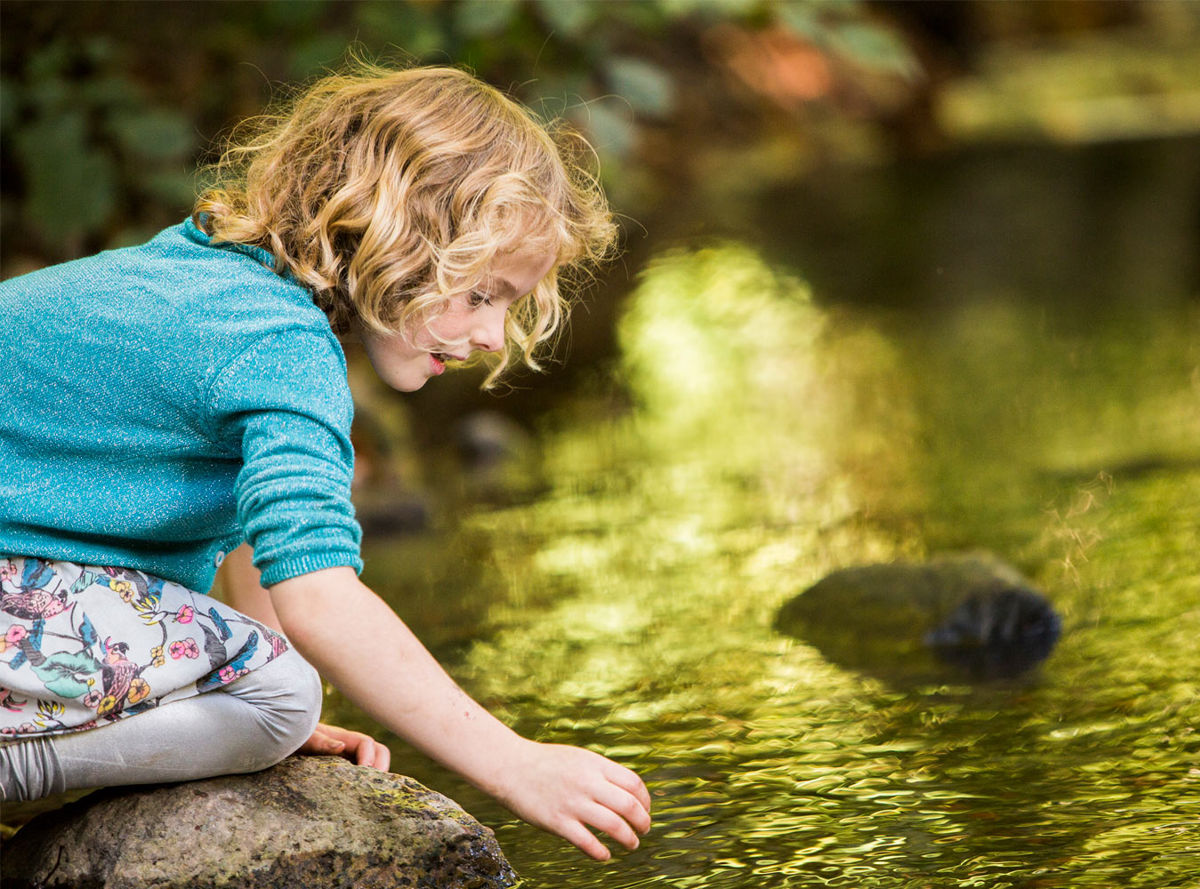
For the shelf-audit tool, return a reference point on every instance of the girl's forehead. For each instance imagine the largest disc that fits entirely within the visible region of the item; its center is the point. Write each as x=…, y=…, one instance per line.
x=518, y=271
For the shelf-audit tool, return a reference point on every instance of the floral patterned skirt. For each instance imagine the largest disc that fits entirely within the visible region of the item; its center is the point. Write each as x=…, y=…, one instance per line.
x=82, y=646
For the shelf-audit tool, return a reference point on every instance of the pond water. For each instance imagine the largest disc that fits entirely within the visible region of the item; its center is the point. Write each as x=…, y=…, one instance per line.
x=755, y=433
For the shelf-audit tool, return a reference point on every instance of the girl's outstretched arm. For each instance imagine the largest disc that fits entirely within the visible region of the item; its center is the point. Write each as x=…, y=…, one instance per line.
x=357, y=642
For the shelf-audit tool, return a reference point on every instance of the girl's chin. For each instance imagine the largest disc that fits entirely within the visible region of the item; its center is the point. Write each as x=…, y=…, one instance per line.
x=406, y=382
x=411, y=385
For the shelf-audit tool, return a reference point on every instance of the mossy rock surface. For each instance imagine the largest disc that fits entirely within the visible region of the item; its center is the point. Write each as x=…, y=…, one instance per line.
x=309, y=822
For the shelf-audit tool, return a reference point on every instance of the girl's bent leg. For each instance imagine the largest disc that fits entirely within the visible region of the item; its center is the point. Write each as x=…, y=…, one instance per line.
x=248, y=725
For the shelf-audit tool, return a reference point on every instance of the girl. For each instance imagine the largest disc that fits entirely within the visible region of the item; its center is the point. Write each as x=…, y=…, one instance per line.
x=167, y=404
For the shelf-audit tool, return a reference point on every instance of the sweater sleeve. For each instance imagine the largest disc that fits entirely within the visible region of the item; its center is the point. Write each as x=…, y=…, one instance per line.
x=284, y=404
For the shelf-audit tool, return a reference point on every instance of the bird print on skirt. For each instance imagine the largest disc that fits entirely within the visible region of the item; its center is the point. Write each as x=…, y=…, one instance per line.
x=82, y=646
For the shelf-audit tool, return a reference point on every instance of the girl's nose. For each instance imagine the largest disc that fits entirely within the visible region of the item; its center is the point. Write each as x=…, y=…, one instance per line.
x=488, y=334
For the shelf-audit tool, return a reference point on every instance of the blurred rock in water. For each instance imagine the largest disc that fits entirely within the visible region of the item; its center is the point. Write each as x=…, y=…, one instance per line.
x=498, y=458
x=388, y=514
x=485, y=438
x=972, y=616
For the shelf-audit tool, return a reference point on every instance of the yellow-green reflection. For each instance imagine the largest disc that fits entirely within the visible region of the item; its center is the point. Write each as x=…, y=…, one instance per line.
x=630, y=608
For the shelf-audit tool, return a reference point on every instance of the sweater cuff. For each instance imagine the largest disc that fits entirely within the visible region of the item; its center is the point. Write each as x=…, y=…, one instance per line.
x=277, y=572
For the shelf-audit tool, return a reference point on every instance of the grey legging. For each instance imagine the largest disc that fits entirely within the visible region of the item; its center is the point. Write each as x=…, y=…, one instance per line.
x=245, y=726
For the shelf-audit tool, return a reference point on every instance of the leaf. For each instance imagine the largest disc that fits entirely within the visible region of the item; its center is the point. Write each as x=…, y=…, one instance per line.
x=410, y=28
x=553, y=94
x=313, y=55
x=48, y=62
x=107, y=92
x=646, y=87
x=49, y=709
x=49, y=96
x=131, y=236
x=10, y=100
x=611, y=130
x=483, y=18
x=874, y=46
x=294, y=16
x=717, y=8
x=153, y=134
x=175, y=188
x=805, y=20
x=567, y=17
x=70, y=185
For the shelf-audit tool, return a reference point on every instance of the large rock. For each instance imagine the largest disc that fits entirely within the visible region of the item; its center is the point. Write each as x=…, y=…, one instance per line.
x=965, y=616
x=307, y=823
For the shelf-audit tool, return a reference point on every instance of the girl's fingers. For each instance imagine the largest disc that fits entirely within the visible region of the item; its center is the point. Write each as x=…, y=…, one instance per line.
x=583, y=839
x=320, y=742
x=611, y=824
x=370, y=752
x=354, y=746
x=365, y=754
x=568, y=790
x=626, y=805
x=629, y=781
x=381, y=757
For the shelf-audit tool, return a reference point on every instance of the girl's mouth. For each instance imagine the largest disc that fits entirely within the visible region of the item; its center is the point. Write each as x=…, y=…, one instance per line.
x=440, y=359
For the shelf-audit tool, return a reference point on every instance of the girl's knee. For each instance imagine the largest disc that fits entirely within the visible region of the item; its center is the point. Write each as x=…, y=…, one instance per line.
x=287, y=694
x=298, y=711
x=310, y=695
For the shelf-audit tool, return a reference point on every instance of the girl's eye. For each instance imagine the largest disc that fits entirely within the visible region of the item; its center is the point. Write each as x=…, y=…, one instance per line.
x=477, y=298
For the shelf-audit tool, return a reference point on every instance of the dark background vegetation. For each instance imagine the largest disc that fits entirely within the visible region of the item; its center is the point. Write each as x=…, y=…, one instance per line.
x=108, y=107
x=695, y=106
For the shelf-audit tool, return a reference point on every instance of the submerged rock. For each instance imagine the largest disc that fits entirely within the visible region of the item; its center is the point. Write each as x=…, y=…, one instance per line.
x=310, y=822
x=389, y=513
x=971, y=615
x=499, y=460
x=485, y=438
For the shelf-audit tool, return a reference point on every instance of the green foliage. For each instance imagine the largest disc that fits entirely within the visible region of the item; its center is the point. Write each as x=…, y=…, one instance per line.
x=483, y=18
x=100, y=148
x=71, y=186
x=567, y=17
x=646, y=87
x=89, y=146
x=839, y=26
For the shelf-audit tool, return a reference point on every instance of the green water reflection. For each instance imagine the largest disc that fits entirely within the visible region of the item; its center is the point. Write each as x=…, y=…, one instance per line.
x=771, y=441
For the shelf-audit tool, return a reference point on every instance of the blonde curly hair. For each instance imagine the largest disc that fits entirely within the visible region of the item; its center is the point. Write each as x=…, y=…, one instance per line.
x=387, y=192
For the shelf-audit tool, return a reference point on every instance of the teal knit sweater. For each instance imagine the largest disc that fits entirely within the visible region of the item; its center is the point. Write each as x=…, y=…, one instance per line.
x=162, y=403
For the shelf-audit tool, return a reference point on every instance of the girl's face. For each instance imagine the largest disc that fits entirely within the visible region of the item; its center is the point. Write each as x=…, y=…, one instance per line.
x=473, y=322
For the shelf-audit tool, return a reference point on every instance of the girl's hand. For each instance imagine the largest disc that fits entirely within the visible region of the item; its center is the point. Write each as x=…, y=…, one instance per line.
x=396, y=681
x=330, y=740
x=565, y=790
